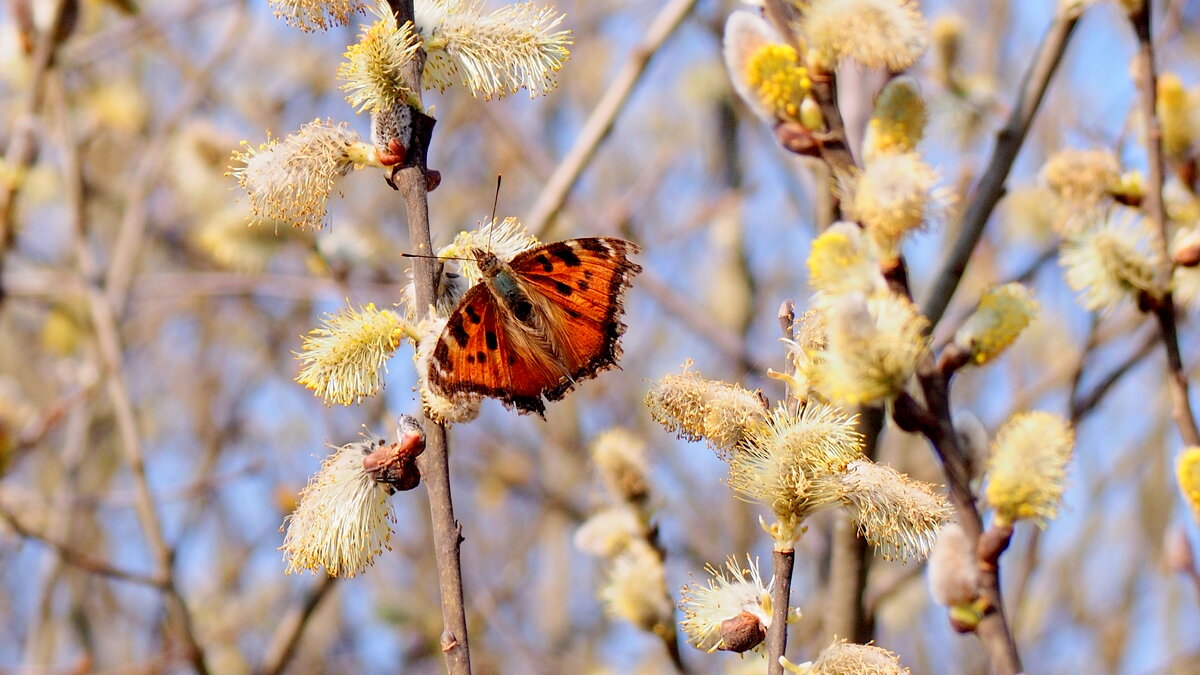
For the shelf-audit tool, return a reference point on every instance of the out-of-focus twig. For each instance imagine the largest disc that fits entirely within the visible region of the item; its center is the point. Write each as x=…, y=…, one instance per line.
x=1164, y=312
x=283, y=643
x=1008, y=144
x=604, y=114
x=79, y=559
x=111, y=362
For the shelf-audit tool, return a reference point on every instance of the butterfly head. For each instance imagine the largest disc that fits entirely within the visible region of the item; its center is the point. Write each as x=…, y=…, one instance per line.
x=489, y=263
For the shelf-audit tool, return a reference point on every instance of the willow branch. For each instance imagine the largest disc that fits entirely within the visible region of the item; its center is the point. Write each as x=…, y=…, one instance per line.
x=111, y=358
x=993, y=629
x=782, y=564
x=604, y=115
x=287, y=636
x=411, y=180
x=1147, y=81
x=1008, y=143
x=79, y=559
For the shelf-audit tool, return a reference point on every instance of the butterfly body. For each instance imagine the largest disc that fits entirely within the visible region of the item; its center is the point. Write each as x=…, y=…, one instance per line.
x=537, y=325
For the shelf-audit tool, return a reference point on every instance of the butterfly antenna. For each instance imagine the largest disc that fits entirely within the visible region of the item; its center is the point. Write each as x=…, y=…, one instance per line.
x=435, y=257
x=495, y=203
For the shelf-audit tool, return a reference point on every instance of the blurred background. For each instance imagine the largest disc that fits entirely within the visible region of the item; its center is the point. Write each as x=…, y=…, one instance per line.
x=140, y=313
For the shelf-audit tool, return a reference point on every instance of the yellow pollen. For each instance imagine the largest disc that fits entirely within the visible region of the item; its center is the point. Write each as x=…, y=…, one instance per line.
x=775, y=73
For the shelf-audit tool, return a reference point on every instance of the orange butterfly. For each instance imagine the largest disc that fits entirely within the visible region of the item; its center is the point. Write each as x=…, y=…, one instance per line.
x=538, y=325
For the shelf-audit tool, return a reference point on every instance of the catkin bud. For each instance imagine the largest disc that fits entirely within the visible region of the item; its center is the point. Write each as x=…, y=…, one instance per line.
x=898, y=123
x=695, y=409
x=1002, y=314
x=620, y=456
x=953, y=571
x=1027, y=468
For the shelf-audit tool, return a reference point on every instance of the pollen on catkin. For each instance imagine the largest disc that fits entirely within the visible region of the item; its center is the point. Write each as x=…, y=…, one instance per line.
x=620, y=457
x=341, y=523
x=755, y=54
x=518, y=46
x=313, y=15
x=1027, y=467
x=291, y=180
x=841, y=262
x=505, y=239
x=893, y=196
x=873, y=345
x=345, y=359
x=1003, y=313
x=898, y=122
x=887, y=34
x=896, y=514
x=1187, y=471
x=373, y=70
x=698, y=409
x=1081, y=178
x=791, y=464
x=727, y=594
x=636, y=589
x=846, y=657
x=1108, y=262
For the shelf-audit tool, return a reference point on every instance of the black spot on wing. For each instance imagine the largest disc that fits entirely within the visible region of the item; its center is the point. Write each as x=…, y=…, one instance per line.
x=563, y=252
x=565, y=289
x=480, y=357
x=441, y=354
x=456, y=329
x=542, y=260
x=594, y=244
x=473, y=315
x=583, y=285
x=492, y=344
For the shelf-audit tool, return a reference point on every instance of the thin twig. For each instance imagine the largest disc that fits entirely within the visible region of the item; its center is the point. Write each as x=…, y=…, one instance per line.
x=1147, y=79
x=287, y=635
x=79, y=559
x=847, y=615
x=1008, y=143
x=434, y=463
x=21, y=151
x=604, y=115
x=782, y=564
x=105, y=324
x=993, y=629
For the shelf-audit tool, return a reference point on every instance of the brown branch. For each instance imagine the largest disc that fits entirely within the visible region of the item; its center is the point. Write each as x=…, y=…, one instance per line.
x=287, y=635
x=833, y=145
x=1164, y=312
x=111, y=363
x=412, y=181
x=78, y=559
x=604, y=114
x=993, y=629
x=21, y=151
x=847, y=615
x=782, y=564
x=991, y=186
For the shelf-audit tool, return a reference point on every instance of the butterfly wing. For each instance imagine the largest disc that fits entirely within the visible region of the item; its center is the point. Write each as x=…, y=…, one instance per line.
x=579, y=285
x=477, y=354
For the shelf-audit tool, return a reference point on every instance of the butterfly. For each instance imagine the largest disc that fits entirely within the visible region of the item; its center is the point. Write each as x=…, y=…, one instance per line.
x=536, y=326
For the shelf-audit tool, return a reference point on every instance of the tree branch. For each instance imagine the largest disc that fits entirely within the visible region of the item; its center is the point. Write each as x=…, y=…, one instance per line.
x=1008, y=144
x=411, y=180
